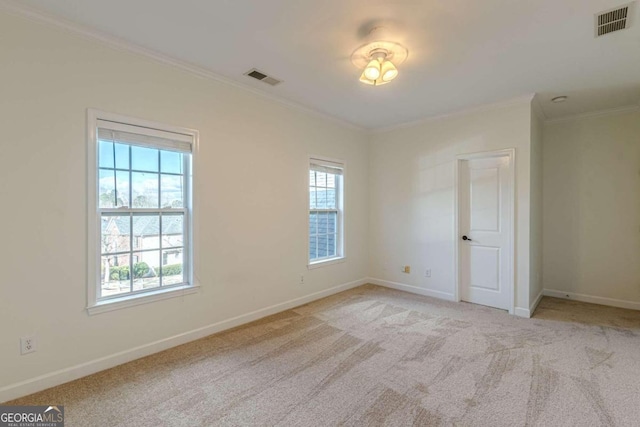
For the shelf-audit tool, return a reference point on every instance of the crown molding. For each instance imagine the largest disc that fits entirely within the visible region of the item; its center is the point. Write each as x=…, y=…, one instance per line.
x=594, y=114
x=526, y=99
x=24, y=11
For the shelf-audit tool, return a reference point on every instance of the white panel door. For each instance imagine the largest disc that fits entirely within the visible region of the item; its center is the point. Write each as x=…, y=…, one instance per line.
x=485, y=225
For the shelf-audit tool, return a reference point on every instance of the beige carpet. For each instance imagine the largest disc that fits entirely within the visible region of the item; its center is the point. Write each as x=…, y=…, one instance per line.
x=374, y=356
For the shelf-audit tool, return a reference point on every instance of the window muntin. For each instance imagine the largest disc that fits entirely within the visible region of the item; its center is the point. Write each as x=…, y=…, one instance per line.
x=325, y=210
x=143, y=209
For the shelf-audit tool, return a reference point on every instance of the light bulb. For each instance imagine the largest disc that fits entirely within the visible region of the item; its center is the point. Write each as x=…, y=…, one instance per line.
x=372, y=72
x=389, y=71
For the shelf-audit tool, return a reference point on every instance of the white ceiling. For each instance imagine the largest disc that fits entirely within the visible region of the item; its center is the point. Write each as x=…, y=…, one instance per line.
x=462, y=53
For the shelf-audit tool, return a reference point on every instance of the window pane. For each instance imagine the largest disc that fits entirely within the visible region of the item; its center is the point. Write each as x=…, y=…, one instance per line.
x=144, y=159
x=116, y=230
x=170, y=162
x=331, y=180
x=322, y=222
x=108, y=182
x=172, y=267
x=313, y=250
x=312, y=178
x=312, y=198
x=321, y=179
x=171, y=188
x=321, y=194
x=331, y=243
x=105, y=154
x=322, y=246
x=172, y=231
x=332, y=220
x=122, y=188
x=114, y=275
x=146, y=267
x=122, y=156
x=106, y=188
x=145, y=189
x=313, y=223
x=146, y=231
x=142, y=248
x=331, y=198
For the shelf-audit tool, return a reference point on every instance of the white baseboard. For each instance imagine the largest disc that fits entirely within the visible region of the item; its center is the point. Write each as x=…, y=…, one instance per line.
x=528, y=312
x=62, y=376
x=535, y=302
x=592, y=299
x=413, y=289
x=518, y=311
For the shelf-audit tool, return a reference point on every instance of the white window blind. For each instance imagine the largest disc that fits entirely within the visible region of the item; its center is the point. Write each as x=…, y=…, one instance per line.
x=126, y=134
x=326, y=167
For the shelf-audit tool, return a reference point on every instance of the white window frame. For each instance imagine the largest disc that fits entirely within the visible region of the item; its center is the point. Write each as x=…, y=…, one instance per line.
x=340, y=205
x=94, y=229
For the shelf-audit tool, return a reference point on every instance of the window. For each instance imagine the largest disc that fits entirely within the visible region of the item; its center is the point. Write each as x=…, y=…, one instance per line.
x=141, y=209
x=326, y=189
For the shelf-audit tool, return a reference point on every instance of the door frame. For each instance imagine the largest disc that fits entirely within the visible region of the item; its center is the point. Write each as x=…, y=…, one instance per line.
x=508, y=152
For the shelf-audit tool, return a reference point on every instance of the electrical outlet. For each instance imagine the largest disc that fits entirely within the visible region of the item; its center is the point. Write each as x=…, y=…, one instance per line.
x=406, y=269
x=427, y=273
x=28, y=344
x=302, y=279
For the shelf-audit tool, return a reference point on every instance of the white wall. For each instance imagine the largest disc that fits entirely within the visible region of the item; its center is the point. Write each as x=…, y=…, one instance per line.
x=535, y=256
x=250, y=197
x=412, y=181
x=592, y=208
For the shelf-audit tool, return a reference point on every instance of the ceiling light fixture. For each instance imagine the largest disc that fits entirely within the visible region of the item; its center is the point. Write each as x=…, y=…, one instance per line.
x=559, y=99
x=379, y=59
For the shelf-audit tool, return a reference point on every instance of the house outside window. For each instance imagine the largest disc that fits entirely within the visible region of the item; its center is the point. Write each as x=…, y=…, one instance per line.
x=140, y=215
x=326, y=211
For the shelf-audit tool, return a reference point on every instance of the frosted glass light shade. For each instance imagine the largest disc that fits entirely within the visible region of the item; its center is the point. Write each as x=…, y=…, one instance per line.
x=389, y=71
x=372, y=72
x=366, y=80
x=379, y=72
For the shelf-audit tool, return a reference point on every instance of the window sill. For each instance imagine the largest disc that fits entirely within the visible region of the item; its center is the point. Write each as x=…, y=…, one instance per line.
x=326, y=262
x=133, y=300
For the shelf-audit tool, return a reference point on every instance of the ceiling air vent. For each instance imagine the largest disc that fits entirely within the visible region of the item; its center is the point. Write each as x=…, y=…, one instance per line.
x=259, y=75
x=613, y=20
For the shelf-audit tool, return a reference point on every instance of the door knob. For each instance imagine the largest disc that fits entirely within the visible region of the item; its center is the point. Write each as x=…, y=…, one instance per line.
x=466, y=238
